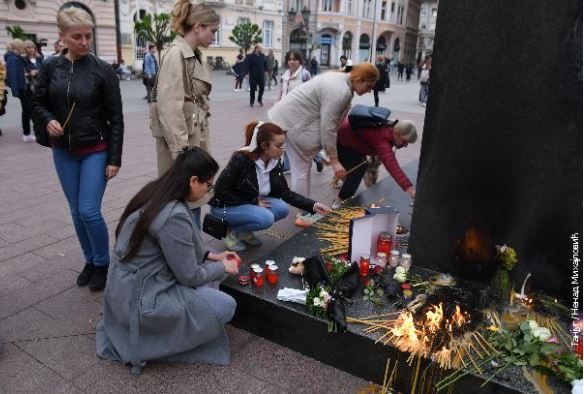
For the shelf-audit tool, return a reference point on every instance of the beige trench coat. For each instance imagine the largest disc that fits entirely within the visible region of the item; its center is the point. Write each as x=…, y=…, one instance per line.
x=183, y=118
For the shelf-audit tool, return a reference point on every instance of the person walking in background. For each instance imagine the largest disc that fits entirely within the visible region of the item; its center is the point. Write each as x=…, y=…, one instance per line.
x=409, y=70
x=294, y=75
x=270, y=65
x=32, y=64
x=160, y=302
x=343, y=66
x=425, y=81
x=16, y=72
x=313, y=66
x=381, y=82
x=150, y=70
x=239, y=71
x=78, y=101
x=400, y=71
x=256, y=66
x=311, y=114
x=183, y=88
x=276, y=71
x=353, y=147
x=251, y=192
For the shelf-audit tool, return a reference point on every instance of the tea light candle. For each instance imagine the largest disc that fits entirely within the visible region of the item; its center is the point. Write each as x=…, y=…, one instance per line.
x=394, y=258
x=258, y=277
x=272, y=274
x=406, y=261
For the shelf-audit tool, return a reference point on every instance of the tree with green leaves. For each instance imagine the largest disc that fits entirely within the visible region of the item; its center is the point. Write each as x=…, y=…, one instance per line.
x=246, y=35
x=155, y=30
x=17, y=32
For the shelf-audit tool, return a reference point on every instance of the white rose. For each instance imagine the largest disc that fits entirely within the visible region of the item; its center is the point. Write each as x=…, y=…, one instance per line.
x=401, y=274
x=541, y=333
x=316, y=301
x=533, y=325
x=323, y=294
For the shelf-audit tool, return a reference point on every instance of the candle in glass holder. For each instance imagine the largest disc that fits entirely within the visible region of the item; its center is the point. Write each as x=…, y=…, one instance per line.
x=384, y=242
x=513, y=316
x=252, y=268
x=258, y=277
x=394, y=258
x=233, y=256
x=381, y=259
x=364, y=264
x=406, y=261
x=272, y=274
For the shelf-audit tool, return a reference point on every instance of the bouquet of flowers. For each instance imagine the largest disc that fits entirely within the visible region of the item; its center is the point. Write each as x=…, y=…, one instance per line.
x=328, y=292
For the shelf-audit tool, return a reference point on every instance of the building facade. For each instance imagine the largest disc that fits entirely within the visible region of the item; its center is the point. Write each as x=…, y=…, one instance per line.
x=358, y=29
x=427, y=30
x=38, y=18
x=267, y=14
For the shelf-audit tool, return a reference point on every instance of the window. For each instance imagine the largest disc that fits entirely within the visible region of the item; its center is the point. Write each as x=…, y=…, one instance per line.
x=423, y=27
x=268, y=33
x=423, y=12
x=432, y=26
x=20, y=4
x=434, y=11
x=349, y=7
x=392, y=7
x=327, y=5
x=242, y=19
x=365, y=8
x=383, y=10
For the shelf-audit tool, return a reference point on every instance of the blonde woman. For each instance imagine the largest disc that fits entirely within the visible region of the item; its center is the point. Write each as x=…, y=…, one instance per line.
x=77, y=99
x=312, y=114
x=183, y=87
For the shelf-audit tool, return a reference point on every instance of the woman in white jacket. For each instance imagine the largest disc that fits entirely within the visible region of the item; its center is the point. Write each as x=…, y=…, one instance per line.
x=312, y=113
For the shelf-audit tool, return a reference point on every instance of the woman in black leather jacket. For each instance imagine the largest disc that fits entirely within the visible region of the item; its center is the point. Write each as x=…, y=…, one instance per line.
x=77, y=100
x=251, y=192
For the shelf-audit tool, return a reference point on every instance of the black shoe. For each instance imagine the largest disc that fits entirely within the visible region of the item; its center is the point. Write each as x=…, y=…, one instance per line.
x=251, y=105
x=261, y=104
x=98, y=279
x=85, y=275
x=145, y=98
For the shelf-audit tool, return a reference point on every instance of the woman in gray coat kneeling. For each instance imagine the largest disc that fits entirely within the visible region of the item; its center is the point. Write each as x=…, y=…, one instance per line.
x=158, y=304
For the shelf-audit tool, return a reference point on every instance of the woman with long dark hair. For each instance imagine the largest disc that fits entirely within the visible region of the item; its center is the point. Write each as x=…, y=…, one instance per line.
x=158, y=304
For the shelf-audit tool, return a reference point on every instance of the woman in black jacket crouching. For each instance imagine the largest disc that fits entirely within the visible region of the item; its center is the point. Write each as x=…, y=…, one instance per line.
x=251, y=192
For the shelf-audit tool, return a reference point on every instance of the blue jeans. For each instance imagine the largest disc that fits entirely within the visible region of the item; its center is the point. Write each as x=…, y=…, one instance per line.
x=249, y=217
x=83, y=181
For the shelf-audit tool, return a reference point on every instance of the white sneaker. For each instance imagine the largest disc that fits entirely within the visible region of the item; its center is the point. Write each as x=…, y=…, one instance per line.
x=233, y=243
x=28, y=138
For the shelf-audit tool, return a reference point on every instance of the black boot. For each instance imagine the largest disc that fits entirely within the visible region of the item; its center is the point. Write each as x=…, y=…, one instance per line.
x=98, y=279
x=85, y=275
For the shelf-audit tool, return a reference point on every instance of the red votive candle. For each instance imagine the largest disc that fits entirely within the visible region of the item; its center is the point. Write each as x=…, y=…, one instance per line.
x=234, y=257
x=272, y=274
x=258, y=277
x=384, y=243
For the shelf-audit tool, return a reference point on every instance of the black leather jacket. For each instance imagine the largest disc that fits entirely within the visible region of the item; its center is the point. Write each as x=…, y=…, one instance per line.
x=94, y=87
x=238, y=185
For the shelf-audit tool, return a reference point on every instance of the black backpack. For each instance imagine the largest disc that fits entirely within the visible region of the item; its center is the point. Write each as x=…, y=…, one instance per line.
x=363, y=116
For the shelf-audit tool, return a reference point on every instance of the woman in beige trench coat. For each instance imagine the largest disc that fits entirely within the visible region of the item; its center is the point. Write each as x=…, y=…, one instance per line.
x=183, y=86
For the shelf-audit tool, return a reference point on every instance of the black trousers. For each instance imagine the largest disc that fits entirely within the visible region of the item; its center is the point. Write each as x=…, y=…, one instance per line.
x=350, y=158
x=376, y=97
x=254, y=83
x=25, y=97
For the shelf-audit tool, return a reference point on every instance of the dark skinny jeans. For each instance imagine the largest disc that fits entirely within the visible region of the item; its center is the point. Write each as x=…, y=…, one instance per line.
x=350, y=158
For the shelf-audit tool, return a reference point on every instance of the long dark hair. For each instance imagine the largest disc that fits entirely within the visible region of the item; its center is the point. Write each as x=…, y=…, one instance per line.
x=172, y=185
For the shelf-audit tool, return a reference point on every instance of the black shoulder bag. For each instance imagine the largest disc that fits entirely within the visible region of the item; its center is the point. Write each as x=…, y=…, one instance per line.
x=215, y=226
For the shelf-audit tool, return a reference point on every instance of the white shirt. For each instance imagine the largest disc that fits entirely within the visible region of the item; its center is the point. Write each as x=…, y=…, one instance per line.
x=263, y=173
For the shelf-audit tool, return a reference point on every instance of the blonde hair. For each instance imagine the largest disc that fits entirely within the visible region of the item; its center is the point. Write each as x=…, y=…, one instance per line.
x=407, y=130
x=16, y=43
x=73, y=16
x=28, y=43
x=185, y=14
x=364, y=72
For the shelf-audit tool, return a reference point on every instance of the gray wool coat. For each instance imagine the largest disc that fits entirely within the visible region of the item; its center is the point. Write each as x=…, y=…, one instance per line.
x=313, y=112
x=156, y=306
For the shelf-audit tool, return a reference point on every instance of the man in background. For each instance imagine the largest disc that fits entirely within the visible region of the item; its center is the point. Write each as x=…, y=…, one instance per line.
x=150, y=71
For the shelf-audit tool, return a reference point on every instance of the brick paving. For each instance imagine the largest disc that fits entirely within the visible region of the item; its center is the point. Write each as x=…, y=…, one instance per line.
x=47, y=323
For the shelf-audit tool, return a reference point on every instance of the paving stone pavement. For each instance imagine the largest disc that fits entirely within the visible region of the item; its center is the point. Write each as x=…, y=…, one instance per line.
x=47, y=323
